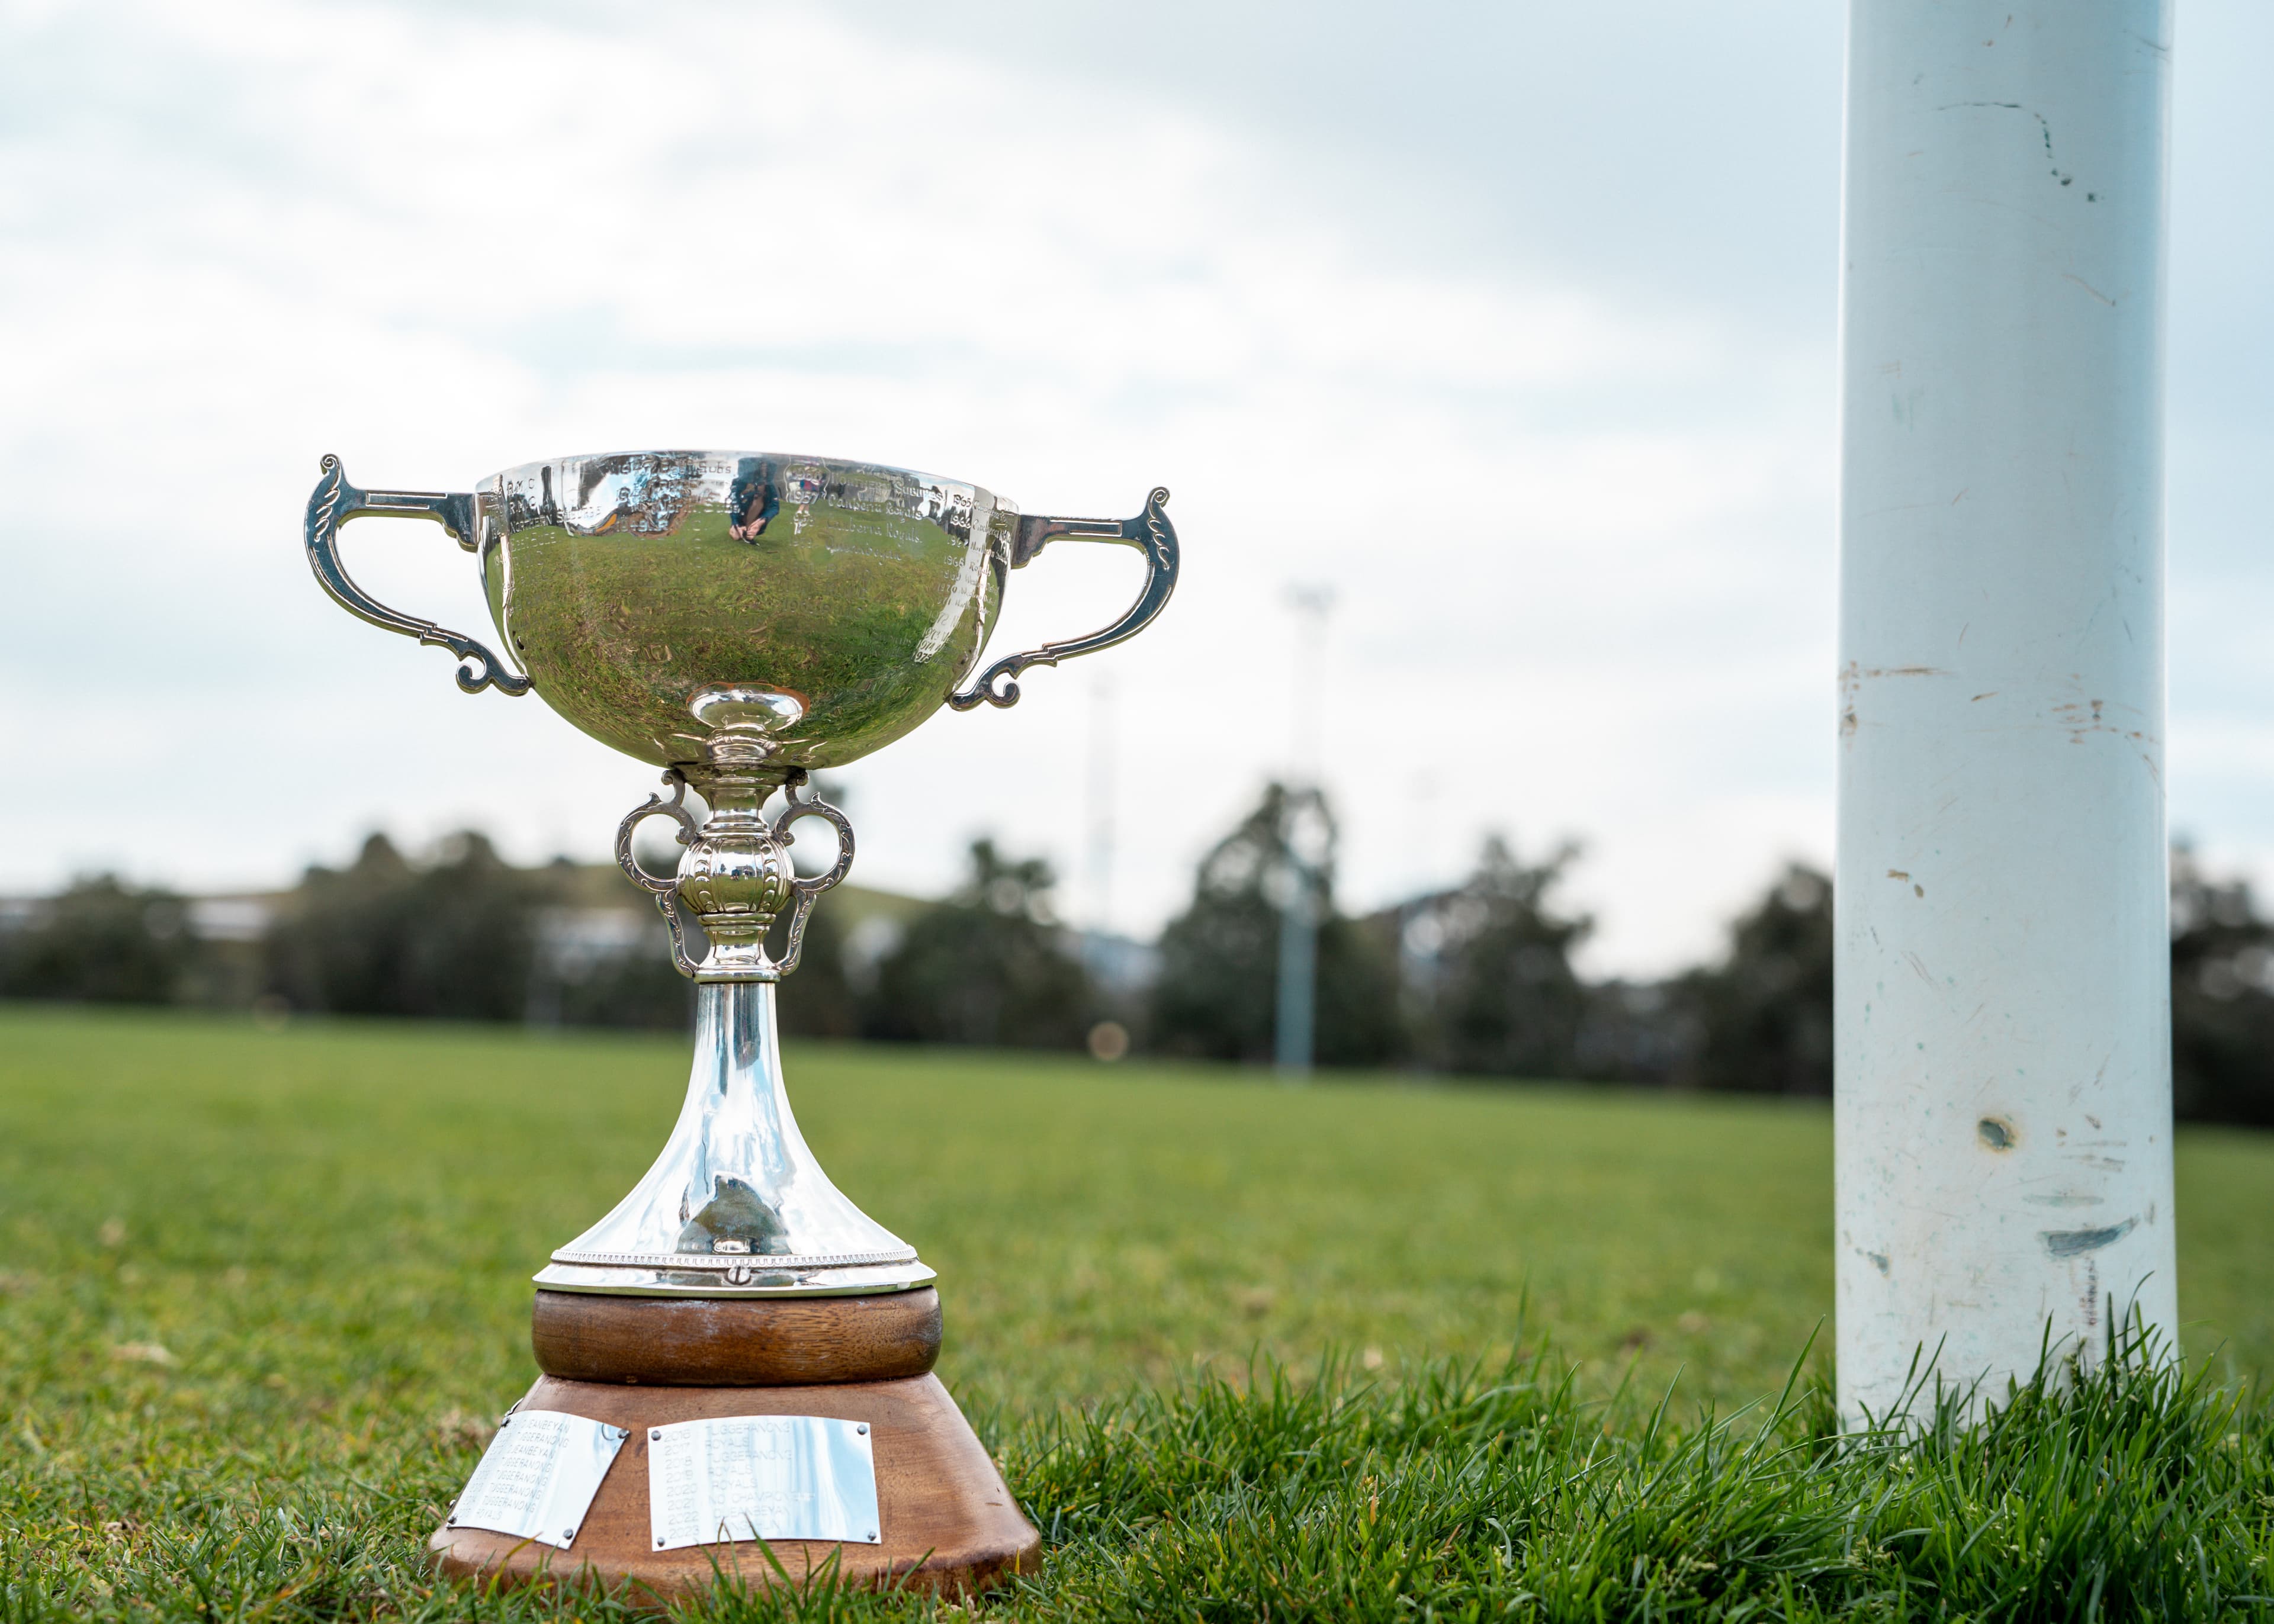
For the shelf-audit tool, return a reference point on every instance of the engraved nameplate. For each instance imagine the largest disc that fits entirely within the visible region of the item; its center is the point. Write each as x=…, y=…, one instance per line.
x=761, y=1477
x=537, y=1480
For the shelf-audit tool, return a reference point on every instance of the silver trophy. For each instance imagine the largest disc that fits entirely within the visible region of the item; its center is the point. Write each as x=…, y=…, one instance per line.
x=739, y=619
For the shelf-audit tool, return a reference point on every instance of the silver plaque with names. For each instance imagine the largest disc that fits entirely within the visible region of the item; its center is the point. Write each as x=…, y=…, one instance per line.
x=537, y=1480
x=738, y=1477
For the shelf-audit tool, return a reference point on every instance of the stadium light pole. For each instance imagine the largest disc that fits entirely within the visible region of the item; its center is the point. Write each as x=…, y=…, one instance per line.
x=1099, y=785
x=2004, y=1096
x=1295, y=1017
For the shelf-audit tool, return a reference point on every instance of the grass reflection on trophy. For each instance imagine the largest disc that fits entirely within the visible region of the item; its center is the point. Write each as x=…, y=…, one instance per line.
x=660, y=601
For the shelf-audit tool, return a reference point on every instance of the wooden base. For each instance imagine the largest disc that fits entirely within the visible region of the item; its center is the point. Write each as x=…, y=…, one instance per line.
x=735, y=1343
x=950, y=1524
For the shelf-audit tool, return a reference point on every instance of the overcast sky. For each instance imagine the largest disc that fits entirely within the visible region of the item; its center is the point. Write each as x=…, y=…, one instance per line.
x=1513, y=324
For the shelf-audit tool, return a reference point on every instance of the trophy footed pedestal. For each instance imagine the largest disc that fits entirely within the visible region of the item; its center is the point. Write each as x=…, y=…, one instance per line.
x=737, y=1360
x=666, y=1344
x=954, y=1525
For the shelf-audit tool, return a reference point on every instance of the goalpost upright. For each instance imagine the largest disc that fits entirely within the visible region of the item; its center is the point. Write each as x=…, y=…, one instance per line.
x=2004, y=1097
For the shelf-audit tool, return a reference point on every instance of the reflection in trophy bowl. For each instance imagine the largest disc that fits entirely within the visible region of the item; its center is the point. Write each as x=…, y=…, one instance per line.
x=704, y=609
x=639, y=590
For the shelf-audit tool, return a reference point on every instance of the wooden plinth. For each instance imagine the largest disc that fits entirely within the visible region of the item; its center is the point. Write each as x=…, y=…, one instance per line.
x=757, y=1343
x=950, y=1524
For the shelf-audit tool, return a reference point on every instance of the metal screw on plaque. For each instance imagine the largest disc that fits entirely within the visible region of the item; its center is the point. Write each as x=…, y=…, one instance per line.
x=569, y=1535
x=657, y=1434
x=862, y=1427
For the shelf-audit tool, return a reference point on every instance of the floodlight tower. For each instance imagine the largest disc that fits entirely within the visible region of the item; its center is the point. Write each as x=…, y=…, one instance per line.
x=1303, y=840
x=2003, y=1088
x=1101, y=788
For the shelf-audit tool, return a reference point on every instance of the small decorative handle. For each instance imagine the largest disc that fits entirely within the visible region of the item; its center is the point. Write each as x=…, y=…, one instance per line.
x=1150, y=532
x=333, y=503
x=664, y=891
x=808, y=889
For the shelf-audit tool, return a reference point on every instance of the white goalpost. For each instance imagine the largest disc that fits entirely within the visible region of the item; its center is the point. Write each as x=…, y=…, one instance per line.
x=2004, y=1096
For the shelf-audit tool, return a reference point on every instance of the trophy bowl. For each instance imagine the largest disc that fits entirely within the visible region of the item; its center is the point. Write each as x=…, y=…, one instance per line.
x=641, y=591
x=738, y=620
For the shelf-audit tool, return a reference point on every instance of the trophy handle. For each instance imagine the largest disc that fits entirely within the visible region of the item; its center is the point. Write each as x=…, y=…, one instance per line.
x=333, y=503
x=808, y=889
x=664, y=891
x=1150, y=532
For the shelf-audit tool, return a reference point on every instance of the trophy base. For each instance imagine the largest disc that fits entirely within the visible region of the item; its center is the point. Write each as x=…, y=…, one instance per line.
x=950, y=1524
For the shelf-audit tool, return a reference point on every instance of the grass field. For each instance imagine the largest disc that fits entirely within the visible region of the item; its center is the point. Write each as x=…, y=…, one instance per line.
x=261, y=1292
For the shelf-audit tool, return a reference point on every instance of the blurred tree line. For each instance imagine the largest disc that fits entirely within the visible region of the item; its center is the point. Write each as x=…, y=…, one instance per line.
x=1477, y=979
x=463, y=935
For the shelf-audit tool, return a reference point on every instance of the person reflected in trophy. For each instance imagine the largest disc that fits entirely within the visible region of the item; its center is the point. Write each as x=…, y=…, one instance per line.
x=751, y=500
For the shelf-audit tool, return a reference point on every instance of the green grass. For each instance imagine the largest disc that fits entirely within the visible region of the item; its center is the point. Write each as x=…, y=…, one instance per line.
x=328, y=1231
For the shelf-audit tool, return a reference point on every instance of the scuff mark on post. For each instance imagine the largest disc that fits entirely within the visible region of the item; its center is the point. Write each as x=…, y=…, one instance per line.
x=2076, y=1242
x=2054, y=164
x=1851, y=682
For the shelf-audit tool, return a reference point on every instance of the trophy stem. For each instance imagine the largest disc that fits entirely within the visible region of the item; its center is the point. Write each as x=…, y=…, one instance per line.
x=736, y=1205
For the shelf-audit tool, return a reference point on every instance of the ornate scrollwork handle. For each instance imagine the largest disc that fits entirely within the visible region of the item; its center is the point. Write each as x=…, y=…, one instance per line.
x=1150, y=532
x=665, y=892
x=333, y=503
x=813, y=806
